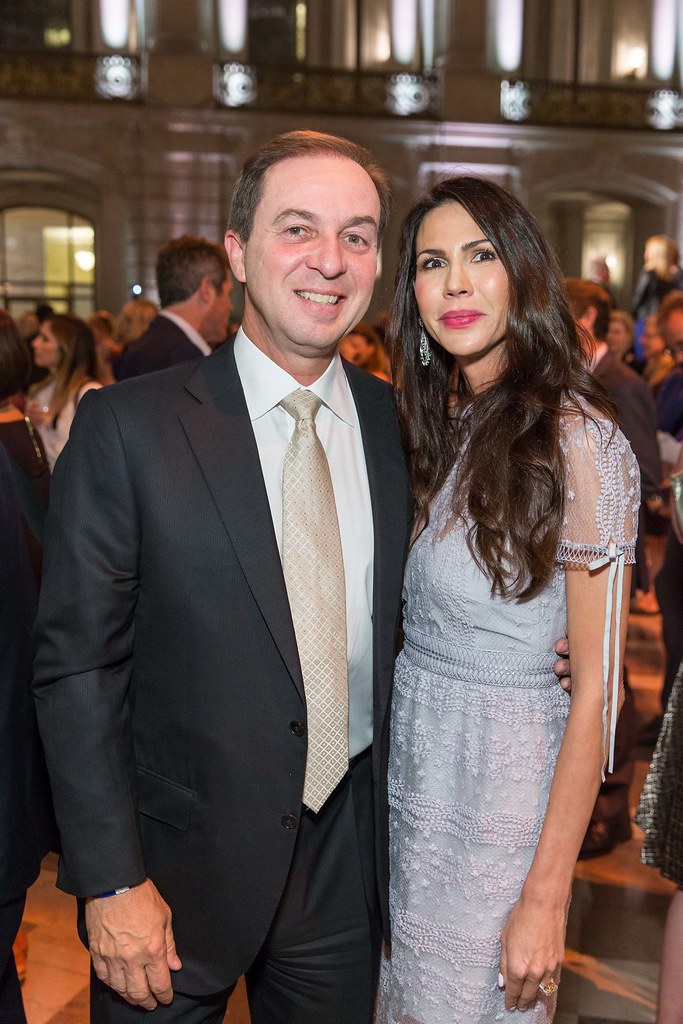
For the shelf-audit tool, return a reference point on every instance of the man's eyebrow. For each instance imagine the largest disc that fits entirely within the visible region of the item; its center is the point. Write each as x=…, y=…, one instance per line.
x=353, y=222
x=301, y=214
x=356, y=222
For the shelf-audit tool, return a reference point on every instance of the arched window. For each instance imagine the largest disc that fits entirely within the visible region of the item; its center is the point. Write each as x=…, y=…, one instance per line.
x=46, y=255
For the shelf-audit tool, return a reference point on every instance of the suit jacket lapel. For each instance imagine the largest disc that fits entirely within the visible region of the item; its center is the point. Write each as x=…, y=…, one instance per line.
x=220, y=434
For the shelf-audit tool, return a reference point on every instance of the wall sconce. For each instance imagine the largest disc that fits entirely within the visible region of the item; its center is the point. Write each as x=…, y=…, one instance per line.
x=635, y=61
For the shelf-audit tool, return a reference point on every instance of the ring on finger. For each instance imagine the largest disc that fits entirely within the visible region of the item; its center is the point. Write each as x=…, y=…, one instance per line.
x=549, y=988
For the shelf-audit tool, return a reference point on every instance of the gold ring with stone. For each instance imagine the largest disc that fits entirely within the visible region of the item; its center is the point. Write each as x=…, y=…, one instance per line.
x=550, y=987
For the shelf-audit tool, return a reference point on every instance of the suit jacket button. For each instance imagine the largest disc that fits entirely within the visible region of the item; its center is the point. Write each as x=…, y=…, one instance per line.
x=297, y=728
x=289, y=821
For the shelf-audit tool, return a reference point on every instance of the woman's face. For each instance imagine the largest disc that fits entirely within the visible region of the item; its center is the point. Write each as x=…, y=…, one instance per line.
x=618, y=338
x=653, y=342
x=356, y=348
x=461, y=288
x=46, y=351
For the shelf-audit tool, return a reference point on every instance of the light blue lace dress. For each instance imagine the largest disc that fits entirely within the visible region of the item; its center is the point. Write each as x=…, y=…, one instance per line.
x=477, y=721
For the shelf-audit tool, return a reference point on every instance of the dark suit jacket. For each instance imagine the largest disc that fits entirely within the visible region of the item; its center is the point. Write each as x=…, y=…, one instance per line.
x=168, y=675
x=636, y=416
x=163, y=344
x=637, y=420
x=26, y=826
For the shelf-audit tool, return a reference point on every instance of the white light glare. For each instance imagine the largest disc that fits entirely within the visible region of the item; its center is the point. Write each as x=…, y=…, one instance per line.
x=115, y=23
x=232, y=19
x=636, y=58
x=85, y=260
x=136, y=289
x=509, y=28
x=663, y=39
x=403, y=30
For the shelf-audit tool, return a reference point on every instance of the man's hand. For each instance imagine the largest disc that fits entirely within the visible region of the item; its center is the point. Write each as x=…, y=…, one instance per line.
x=562, y=667
x=132, y=945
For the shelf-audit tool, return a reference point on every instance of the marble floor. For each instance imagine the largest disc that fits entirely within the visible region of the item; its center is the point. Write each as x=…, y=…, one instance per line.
x=613, y=939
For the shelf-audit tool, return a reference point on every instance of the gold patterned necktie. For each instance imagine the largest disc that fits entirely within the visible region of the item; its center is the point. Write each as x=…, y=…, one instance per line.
x=314, y=573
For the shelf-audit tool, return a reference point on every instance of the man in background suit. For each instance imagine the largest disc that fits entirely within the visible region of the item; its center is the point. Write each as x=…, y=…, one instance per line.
x=169, y=682
x=194, y=286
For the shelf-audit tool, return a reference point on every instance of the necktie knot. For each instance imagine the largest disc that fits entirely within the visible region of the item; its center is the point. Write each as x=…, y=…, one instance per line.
x=302, y=405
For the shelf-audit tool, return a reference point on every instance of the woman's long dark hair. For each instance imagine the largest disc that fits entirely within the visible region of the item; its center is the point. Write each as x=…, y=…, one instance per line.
x=510, y=482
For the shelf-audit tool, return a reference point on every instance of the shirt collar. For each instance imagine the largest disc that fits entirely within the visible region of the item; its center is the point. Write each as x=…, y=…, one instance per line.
x=193, y=335
x=265, y=383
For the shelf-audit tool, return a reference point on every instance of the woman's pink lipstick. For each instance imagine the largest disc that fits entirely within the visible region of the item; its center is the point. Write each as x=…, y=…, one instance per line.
x=459, y=318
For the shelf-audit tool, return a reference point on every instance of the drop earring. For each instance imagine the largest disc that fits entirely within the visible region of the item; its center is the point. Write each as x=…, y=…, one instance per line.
x=425, y=350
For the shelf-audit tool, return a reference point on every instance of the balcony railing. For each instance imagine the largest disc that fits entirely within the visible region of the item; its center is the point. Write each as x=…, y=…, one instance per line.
x=323, y=91
x=70, y=77
x=590, y=106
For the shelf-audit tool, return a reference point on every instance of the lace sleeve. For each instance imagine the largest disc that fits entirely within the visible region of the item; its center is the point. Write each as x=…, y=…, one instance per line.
x=602, y=499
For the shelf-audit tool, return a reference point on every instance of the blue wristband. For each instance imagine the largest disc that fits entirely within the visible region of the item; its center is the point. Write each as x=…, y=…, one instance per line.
x=114, y=892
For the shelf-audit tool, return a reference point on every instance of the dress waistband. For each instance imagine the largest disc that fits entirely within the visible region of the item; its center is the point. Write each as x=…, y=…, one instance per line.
x=493, y=668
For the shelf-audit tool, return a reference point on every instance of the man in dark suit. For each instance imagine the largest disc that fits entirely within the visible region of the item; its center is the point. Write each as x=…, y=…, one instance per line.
x=610, y=822
x=170, y=684
x=194, y=286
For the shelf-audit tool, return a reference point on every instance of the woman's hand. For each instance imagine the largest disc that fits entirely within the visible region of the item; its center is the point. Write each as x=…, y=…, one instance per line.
x=532, y=950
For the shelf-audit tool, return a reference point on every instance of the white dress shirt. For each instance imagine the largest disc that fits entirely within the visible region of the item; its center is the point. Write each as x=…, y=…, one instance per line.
x=193, y=335
x=265, y=384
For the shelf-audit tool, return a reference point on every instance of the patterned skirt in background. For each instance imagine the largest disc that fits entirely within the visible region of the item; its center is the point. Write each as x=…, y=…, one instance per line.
x=660, y=812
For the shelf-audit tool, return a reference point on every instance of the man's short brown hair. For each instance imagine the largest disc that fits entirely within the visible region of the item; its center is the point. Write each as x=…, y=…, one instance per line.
x=249, y=186
x=183, y=262
x=583, y=294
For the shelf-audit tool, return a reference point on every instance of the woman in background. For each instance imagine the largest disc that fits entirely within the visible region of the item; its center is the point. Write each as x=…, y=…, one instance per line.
x=527, y=505
x=363, y=347
x=65, y=347
x=19, y=436
x=660, y=275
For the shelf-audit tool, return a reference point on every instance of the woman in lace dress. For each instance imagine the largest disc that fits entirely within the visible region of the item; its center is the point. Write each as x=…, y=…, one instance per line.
x=527, y=498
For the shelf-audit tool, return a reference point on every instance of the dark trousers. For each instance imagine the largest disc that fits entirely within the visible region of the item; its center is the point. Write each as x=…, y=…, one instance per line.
x=669, y=591
x=320, y=960
x=11, y=1005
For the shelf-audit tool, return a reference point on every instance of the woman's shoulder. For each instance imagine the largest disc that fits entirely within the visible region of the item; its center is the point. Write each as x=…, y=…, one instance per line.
x=585, y=429
x=89, y=385
x=579, y=419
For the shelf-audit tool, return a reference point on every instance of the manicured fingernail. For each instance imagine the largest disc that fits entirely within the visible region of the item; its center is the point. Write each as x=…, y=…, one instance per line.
x=501, y=981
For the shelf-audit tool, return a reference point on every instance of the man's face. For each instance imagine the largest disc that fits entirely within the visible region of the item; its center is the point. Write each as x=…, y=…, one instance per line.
x=310, y=262
x=672, y=332
x=214, y=325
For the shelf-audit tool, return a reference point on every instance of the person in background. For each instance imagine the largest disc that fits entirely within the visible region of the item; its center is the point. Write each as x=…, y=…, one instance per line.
x=194, y=285
x=363, y=347
x=669, y=580
x=65, y=347
x=132, y=320
x=599, y=273
x=660, y=815
x=670, y=395
x=658, y=360
x=20, y=438
x=103, y=325
x=619, y=335
x=27, y=828
x=660, y=275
